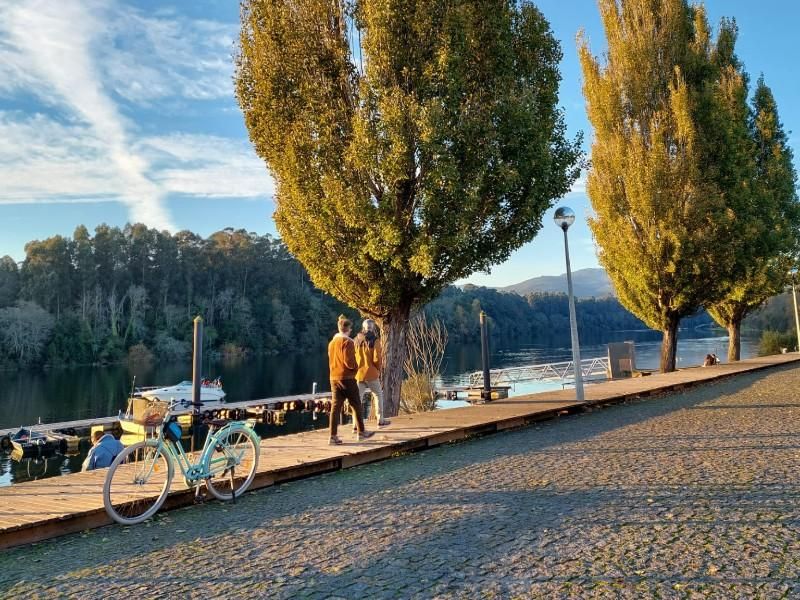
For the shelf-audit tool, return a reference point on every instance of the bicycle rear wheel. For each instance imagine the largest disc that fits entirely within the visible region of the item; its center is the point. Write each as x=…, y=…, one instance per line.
x=137, y=483
x=232, y=462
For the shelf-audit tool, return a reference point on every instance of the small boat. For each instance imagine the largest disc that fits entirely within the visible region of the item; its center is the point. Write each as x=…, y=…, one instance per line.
x=28, y=442
x=210, y=391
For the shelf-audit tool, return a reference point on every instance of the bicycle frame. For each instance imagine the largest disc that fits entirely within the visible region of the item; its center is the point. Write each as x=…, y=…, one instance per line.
x=179, y=456
x=193, y=472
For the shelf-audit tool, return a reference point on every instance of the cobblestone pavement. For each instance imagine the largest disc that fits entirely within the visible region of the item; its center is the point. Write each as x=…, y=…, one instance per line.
x=691, y=495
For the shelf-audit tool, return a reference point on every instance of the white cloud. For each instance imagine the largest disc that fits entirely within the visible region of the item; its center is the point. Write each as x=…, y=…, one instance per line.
x=165, y=55
x=33, y=169
x=209, y=166
x=14, y=74
x=80, y=59
x=579, y=186
x=57, y=40
x=140, y=57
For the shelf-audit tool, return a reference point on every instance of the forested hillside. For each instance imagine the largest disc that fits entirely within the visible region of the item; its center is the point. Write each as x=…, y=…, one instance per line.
x=90, y=298
x=776, y=315
x=98, y=298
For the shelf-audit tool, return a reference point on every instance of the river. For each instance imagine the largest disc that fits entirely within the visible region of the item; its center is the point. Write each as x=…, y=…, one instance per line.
x=83, y=392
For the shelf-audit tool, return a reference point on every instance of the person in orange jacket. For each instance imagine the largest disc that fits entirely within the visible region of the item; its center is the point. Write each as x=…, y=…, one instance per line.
x=343, y=367
x=369, y=356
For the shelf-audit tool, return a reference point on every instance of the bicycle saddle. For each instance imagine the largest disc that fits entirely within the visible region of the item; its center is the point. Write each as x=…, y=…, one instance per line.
x=216, y=422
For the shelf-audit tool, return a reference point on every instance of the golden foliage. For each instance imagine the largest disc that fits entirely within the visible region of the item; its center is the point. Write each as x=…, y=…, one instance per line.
x=672, y=159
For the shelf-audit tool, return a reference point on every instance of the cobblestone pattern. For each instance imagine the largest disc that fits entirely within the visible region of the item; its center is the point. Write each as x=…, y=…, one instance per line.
x=693, y=495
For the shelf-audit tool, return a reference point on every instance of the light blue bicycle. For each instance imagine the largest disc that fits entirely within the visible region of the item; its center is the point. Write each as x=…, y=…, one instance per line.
x=140, y=477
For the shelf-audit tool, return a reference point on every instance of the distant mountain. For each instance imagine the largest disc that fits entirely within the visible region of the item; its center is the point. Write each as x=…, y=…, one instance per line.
x=586, y=283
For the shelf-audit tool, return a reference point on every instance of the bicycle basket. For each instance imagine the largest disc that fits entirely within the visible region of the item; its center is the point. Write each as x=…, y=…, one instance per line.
x=149, y=412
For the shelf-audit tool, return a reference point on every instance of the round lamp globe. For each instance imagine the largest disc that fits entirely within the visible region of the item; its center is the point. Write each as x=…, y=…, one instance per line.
x=564, y=217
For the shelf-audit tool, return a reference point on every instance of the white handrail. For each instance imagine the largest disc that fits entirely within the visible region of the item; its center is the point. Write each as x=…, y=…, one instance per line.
x=551, y=371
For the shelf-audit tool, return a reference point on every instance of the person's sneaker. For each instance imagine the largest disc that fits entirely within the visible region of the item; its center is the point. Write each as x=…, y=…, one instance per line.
x=334, y=441
x=384, y=423
x=364, y=435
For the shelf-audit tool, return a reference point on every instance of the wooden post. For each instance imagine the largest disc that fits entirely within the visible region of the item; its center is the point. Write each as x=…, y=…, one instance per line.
x=486, y=393
x=197, y=368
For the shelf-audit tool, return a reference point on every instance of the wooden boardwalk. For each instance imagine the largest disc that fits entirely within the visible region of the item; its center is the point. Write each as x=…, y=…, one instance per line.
x=39, y=510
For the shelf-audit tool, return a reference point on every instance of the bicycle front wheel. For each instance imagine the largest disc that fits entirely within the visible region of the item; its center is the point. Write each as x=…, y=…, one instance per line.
x=137, y=482
x=232, y=462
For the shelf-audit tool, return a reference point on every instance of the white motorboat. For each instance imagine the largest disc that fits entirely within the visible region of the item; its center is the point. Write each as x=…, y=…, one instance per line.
x=210, y=392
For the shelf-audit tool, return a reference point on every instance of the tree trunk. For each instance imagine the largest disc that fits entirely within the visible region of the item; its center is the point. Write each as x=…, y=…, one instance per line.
x=393, y=332
x=734, y=340
x=669, y=345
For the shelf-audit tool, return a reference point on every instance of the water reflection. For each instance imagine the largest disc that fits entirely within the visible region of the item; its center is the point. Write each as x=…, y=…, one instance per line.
x=85, y=392
x=31, y=469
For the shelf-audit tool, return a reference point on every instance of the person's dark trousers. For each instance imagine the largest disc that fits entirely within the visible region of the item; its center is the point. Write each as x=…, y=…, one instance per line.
x=346, y=389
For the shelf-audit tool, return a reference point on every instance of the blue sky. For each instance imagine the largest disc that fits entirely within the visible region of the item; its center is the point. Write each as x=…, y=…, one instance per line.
x=123, y=110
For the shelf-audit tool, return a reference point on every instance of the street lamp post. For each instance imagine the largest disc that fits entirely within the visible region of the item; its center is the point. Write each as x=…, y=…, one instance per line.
x=565, y=217
x=793, y=275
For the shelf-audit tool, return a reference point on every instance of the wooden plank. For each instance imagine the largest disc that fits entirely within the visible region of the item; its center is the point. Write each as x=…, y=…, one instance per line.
x=511, y=423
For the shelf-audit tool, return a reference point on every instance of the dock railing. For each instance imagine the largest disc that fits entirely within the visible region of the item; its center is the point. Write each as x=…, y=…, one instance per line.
x=561, y=371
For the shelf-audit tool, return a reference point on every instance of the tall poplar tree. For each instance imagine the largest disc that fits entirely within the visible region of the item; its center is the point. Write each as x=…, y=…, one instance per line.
x=412, y=142
x=773, y=222
x=669, y=159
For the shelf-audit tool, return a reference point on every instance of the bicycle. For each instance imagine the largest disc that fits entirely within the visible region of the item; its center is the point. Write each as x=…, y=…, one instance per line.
x=140, y=477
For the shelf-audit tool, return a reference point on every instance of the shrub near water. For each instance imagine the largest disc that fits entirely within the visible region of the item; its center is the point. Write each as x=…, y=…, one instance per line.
x=139, y=354
x=230, y=350
x=773, y=342
x=417, y=394
x=426, y=342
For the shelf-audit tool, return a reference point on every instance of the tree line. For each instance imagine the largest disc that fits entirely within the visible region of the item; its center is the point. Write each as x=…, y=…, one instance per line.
x=777, y=314
x=90, y=298
x=536, y=317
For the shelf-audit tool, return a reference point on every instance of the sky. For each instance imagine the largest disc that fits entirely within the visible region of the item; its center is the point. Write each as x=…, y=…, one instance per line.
x=115, y=111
